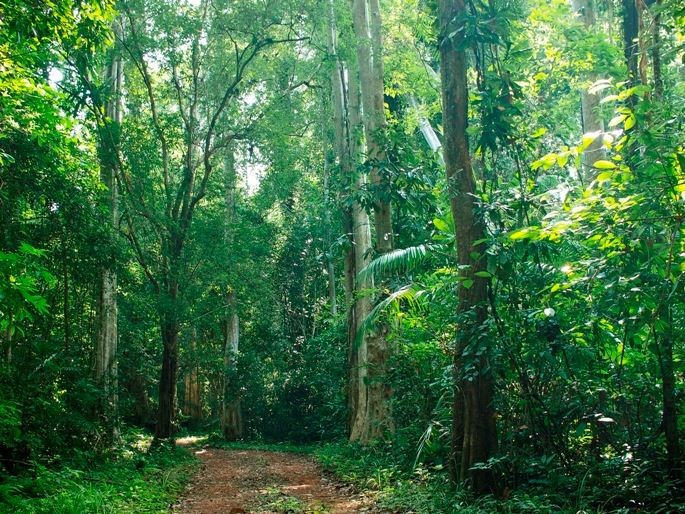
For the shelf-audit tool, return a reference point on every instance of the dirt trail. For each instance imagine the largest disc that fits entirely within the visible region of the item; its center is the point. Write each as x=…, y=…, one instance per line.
x=239, y=481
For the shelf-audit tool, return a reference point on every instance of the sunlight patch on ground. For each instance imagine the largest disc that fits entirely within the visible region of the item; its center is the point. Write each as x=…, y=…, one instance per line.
x=191, y=440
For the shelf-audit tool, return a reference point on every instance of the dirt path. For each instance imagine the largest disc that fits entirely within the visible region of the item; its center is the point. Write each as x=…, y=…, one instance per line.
x=240, y=481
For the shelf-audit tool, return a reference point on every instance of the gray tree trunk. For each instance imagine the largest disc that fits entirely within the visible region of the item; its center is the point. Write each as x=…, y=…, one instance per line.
x=231, y=411
x=106, y=372
x=589, y=103
x=347, y=129
x=373, y=416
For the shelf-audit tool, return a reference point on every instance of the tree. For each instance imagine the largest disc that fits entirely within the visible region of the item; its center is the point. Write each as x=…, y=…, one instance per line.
x=347, y=123
x=109, y=125
x=589, y=102
x=231, y=412
x=372, y=417
x=474, y=437
x=192, y=107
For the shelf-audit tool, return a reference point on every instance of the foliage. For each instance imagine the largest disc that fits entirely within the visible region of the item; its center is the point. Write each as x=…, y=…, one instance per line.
x=584, y=266
x=131, y=478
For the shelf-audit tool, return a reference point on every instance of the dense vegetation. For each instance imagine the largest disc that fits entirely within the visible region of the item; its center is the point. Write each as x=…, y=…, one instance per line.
x=445, y=238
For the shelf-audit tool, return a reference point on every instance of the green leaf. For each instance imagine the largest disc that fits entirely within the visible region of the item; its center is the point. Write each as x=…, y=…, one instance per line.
x=589, y=138
x=617, y=120
x=604, y=165
x=441, y=225
x=600, y=85
x=467, y=283
x=630, y=122
x=483, y=274
x=403, y=259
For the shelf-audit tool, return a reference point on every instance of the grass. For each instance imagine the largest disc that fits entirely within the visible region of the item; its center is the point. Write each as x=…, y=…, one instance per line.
x=275, y=500
x=132, y=479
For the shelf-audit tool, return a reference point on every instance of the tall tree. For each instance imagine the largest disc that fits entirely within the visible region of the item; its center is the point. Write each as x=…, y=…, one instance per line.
x=372, y=417
x=346, y=126
x=474, y=437
x=231, y=411
x=109, y=149
x=591, y=119
x=191, y=71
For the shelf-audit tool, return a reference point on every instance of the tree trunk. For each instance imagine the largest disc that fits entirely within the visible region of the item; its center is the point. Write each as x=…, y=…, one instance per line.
x=631, y=39
x=231, y=411
x=589, y=103
x=106, y=372
x=374, y=417
x=347, y=125
x=474, y=437
x=367, y=27
x=668, y=388
x=192, y=398
x=330, y=267
x=656, y=54
x=170, y=328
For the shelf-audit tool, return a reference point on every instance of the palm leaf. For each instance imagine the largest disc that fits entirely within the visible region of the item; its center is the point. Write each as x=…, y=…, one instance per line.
x=408, y=292
x=403, y=259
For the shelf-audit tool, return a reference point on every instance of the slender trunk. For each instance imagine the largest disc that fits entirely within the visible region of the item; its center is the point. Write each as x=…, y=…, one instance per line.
x=656, y=54
x=347, y=124
x=474, y=437
x=330, y=267
x=374, y=417
x=664, y=344
x=107, y=336
x=170, y=328
x=192, y=401
x=642, y=41
x=589, y=103
x=231, y=410
x=630, y=38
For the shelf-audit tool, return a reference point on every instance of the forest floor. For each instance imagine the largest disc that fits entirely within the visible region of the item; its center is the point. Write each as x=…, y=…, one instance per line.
x=233, y=481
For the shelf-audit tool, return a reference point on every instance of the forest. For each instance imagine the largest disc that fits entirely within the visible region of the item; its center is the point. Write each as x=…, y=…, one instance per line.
x=329, y=256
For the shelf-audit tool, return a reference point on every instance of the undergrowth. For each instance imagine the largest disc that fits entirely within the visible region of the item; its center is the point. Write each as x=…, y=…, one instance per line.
x=217, y=441
x=130, y=479
x=398, y=486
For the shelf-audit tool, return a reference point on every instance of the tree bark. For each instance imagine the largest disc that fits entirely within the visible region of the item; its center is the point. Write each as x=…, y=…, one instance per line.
x=373, y=418
x=170, y=328
x=231, y=409
x=656, y=54
x=474, y=437
x=591, y=121
x=192, y=400
x=347, y=126
x=106, y=372
x=367, y=27
x=330, y=266
x=631, y=39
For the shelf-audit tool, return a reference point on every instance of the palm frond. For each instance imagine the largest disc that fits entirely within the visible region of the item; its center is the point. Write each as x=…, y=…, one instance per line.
x=403, y=259
x=408, y=292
